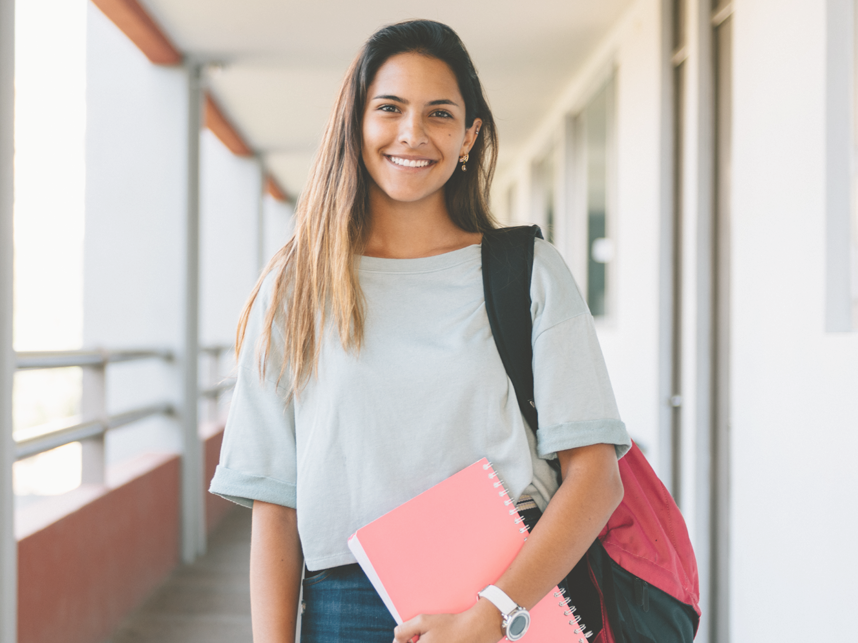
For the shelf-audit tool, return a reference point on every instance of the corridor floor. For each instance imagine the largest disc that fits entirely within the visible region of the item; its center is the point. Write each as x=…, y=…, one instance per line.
x=207, y=602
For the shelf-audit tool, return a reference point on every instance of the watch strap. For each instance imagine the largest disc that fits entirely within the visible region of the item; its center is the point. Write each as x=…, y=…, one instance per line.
x=499, y=599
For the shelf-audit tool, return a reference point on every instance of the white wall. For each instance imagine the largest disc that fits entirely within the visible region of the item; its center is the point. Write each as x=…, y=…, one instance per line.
x=135, y=209
x=795, y=388
x=135, y=216
x=629, y=336
x=277, y=224
x=230, y=191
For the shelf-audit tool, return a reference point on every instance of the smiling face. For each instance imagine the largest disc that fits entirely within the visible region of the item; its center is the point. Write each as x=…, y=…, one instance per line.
x=414, y=128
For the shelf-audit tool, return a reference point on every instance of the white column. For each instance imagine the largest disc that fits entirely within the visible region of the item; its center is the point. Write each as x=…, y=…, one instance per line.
x=193, y=520
x=93, y=405
x=839, y=141
x=212, y=361
x=8, y=546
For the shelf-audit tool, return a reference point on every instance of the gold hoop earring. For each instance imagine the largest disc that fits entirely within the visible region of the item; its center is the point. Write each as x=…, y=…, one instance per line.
x=463, y=160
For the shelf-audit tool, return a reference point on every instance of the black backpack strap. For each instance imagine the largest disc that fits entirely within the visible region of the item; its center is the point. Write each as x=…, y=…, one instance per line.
x=507, y=255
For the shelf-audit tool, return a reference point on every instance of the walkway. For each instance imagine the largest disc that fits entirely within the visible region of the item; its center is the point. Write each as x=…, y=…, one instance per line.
x=207, y=602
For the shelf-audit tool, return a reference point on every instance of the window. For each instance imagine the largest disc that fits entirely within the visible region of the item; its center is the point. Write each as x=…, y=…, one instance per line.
x=511, y=204
x=594, y=178
x=545, y=205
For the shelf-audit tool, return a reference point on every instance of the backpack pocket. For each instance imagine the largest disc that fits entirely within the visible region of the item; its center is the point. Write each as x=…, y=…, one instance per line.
x=636, y=611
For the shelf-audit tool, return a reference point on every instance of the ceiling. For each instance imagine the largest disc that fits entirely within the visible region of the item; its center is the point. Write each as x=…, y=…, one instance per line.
x=282, y=61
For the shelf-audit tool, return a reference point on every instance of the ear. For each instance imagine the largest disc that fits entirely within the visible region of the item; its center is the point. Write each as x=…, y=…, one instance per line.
x=471, y=136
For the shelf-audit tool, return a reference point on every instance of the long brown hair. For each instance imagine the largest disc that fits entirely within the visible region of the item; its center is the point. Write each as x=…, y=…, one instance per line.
x=315, y=270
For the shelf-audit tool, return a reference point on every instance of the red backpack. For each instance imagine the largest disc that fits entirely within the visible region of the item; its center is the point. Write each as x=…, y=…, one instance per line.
x=638, y=581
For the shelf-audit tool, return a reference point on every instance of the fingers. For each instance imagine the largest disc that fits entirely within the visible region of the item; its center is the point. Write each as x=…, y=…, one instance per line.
x=410, y=631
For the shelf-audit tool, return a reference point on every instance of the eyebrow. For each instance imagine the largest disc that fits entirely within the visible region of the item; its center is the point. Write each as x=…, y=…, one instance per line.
x=440, y=101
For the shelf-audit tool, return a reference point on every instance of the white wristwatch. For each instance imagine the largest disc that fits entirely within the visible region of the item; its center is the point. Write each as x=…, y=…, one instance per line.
x=516, y=619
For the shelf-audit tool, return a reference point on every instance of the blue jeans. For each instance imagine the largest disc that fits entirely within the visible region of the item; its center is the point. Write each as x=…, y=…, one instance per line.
x=341, y=606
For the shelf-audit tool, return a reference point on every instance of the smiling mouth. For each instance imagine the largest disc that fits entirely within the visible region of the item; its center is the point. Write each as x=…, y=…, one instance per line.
x=398, y=160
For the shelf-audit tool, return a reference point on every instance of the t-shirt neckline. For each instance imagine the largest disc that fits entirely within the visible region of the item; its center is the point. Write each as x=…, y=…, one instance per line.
x=420, y=264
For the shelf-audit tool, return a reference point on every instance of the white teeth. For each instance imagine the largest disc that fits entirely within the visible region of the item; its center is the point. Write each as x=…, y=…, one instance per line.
x=407, y=162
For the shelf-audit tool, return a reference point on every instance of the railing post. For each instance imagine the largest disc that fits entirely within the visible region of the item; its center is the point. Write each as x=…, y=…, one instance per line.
x=8, y=544
x=93, y=406
x=212, y=377
x=193, y=520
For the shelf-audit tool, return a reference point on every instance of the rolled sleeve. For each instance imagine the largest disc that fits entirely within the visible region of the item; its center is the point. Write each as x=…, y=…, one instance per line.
x=581, y=434
x=243, y=488
x=258, y=457
x=573, y=392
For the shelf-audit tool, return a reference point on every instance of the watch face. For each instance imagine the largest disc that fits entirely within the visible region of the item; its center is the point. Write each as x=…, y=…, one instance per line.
x=517, y=625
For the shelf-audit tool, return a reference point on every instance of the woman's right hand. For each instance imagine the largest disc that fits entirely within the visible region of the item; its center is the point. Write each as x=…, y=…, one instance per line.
x=482, y=623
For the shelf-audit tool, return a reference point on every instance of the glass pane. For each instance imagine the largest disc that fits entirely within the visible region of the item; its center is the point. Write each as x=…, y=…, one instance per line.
x=599, y=245
x=676, y=280
x=543, y=186
x=679, y=29
x=511, y=205
x=719, y=4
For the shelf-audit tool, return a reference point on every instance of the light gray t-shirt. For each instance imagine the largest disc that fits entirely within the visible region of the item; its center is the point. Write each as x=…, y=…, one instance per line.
x=426, y=396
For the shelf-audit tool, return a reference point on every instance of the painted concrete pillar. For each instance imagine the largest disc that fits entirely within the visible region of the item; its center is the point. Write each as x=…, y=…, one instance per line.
x=8, y=545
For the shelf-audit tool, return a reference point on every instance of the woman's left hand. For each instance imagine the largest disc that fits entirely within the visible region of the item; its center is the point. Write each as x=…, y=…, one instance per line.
x=480, y=624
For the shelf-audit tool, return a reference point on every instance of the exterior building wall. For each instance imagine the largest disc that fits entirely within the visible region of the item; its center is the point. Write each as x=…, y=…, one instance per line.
x=629, y=335
x=136, y=139
x=795, y=387
x=230, y=193
x=90, y=557
x=278, y=225
x=92, y=564
x=136, y=142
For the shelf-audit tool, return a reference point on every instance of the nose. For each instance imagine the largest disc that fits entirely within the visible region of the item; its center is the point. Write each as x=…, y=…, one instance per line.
x=412, y=131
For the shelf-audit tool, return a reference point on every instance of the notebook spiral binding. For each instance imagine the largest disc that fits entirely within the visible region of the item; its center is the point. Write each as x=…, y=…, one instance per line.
x=575, y=621
x=498, y=483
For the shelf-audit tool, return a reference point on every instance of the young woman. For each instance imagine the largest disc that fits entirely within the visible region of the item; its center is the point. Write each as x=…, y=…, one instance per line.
x=367, y=371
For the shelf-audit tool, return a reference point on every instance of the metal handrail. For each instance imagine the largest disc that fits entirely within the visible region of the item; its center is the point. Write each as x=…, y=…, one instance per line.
x=31, y=360
x=83, y=430
x=57, y=438
x=216, y=348
x=128, y=417
x=92, y=428
x=214, y=391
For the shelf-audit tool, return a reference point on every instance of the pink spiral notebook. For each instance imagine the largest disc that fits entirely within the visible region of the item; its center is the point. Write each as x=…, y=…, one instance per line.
x=433, y=554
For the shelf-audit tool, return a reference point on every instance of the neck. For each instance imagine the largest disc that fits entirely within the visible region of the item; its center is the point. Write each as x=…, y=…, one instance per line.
x=423, y=228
